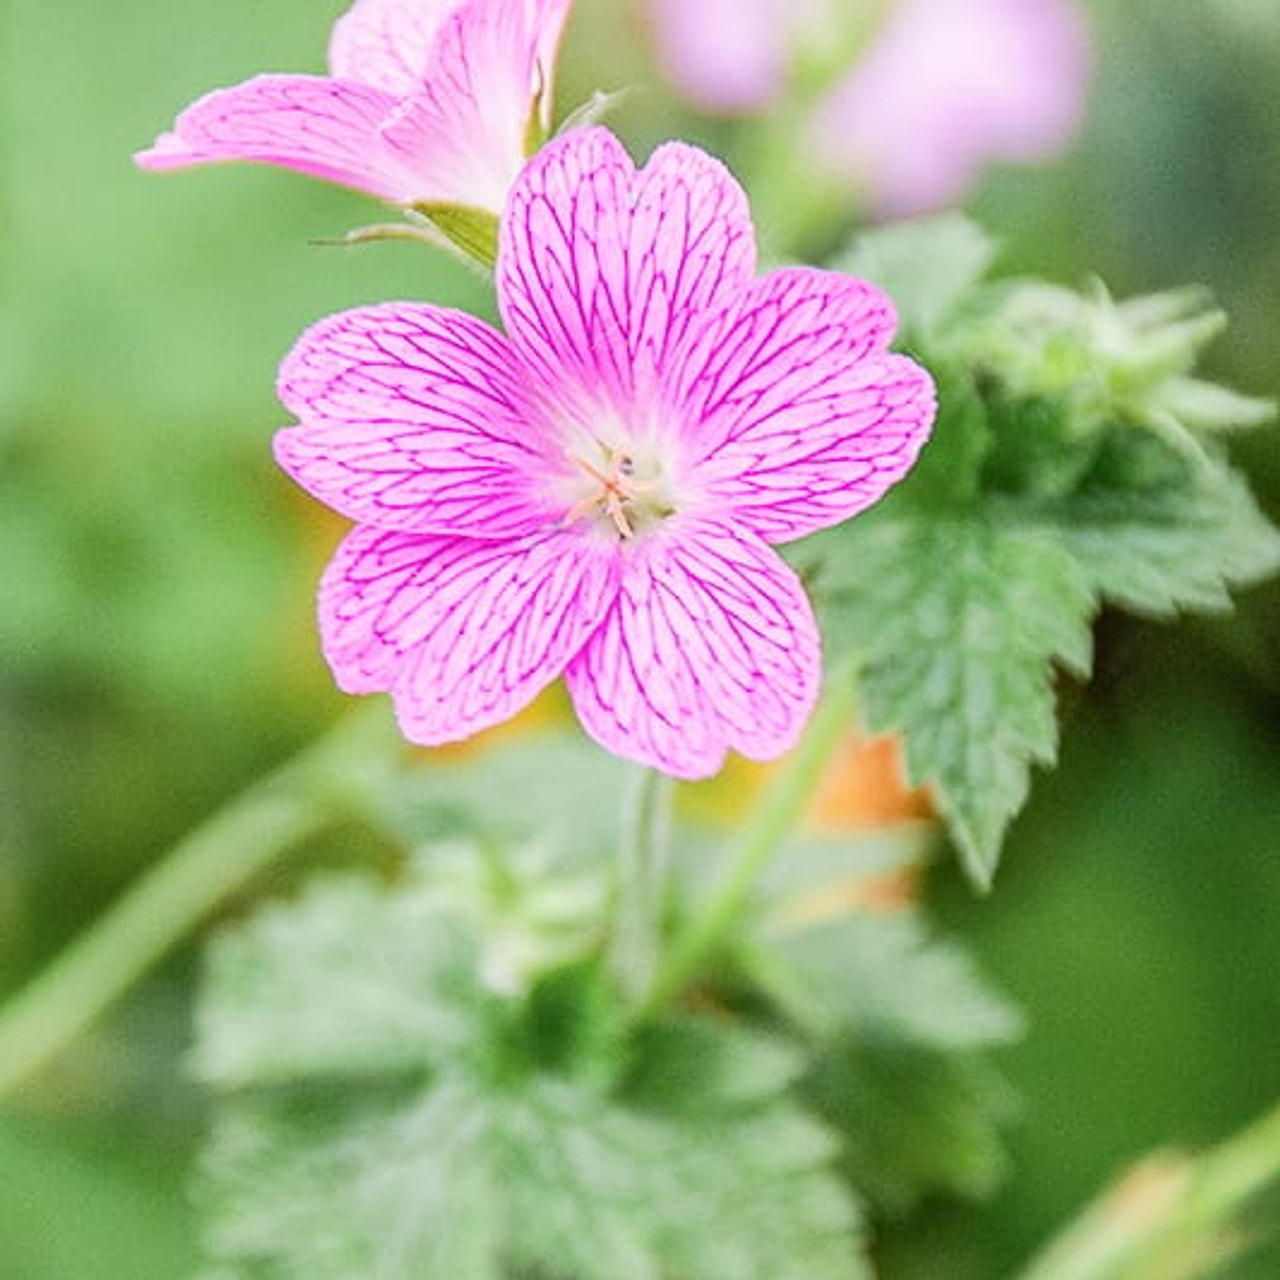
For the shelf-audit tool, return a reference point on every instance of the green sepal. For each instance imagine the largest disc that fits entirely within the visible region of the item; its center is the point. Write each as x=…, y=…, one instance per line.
x=472, y=231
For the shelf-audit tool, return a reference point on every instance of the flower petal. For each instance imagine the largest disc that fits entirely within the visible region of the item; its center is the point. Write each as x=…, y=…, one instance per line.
x=467, y=122
x=601, y=270
x=414, y=418
x=328, y=129
x=796, y=417
x=710, y=645
x=385, y=43
x=462, y=633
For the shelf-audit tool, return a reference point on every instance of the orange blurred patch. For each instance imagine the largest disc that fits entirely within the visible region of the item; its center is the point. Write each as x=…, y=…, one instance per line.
x=888, y=892
x=863, y=788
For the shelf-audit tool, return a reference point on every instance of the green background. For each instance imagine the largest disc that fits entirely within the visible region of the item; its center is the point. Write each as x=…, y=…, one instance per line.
x=157, y=649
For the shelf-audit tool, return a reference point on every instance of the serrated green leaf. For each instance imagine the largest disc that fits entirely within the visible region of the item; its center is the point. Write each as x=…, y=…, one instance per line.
x=881, y=976
x=537, y=1175
x=389, y=1112
x=349, y=981
x=410, y=972
x=1071, y=463
x=959, y=622
x=926, y=266
x=1176, y=547
x=915, y=1121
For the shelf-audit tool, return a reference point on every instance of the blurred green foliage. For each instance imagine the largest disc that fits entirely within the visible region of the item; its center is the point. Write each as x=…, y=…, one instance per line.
x=157, y=649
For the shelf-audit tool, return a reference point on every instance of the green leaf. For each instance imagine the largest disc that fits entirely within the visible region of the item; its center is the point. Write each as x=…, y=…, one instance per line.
x=544, y=1175
x=411, y=971
x=388, y=1111
x=557, y=783
x=895, y=1018
x=914, y=1121
x=959, y=622
x=840, y=964
x=1179, y=547
x=927, y=267
x=1073, y=461
x=881, y=975
x=348, y=981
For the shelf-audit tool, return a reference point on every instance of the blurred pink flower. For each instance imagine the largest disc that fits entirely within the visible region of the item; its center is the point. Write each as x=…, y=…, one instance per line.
x=429, y=102
x=729, y=56
x=594, y=493
x=949, y=86
x=941, y=88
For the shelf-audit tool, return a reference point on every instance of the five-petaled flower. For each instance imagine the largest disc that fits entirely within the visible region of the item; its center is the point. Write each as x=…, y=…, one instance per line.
x=593, y=493
x=430, y=102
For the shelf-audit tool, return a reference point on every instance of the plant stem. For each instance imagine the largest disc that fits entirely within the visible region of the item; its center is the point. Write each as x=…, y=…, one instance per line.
x=779, y=809
x=199, y=873
x=641, y=880
x=1171, y=1215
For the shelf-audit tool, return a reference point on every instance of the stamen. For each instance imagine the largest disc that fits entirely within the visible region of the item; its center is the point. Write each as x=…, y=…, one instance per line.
x=614, y=493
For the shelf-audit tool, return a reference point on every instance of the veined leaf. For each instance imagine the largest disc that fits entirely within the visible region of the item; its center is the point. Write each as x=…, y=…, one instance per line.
x=1182, y=547
x=392, y=1113
x=959, y=623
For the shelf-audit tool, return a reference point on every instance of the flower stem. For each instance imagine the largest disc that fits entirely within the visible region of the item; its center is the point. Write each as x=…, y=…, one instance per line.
x=199, y=873
x=641, y=880
x=1172, y=1214
x=779, y=809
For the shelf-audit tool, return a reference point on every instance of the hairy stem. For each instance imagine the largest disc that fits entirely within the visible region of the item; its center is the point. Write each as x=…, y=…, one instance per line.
x=781, y=806
x=198, y=874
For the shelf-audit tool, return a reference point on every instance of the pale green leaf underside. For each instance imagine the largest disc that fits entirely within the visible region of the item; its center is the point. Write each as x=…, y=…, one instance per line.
x=537, y=1176
x=881, y=976
x=398, y=989
x=389, y=1113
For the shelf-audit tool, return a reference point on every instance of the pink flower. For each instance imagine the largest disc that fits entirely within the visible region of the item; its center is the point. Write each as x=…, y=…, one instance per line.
x=430, y=102
x=594, y=493
x=949, y=86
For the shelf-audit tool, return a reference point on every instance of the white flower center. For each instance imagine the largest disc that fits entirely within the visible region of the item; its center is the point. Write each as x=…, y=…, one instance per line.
x=623, y=487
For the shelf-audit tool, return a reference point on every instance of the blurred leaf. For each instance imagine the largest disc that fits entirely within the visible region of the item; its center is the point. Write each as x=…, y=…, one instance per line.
x=895, y=1018
x=846, y=950
x=558, y=783
x=880, y=976
x=469, y=1142
x=914, y=1120
x=348, y=981
x=472, y=1178
x=927, y=266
